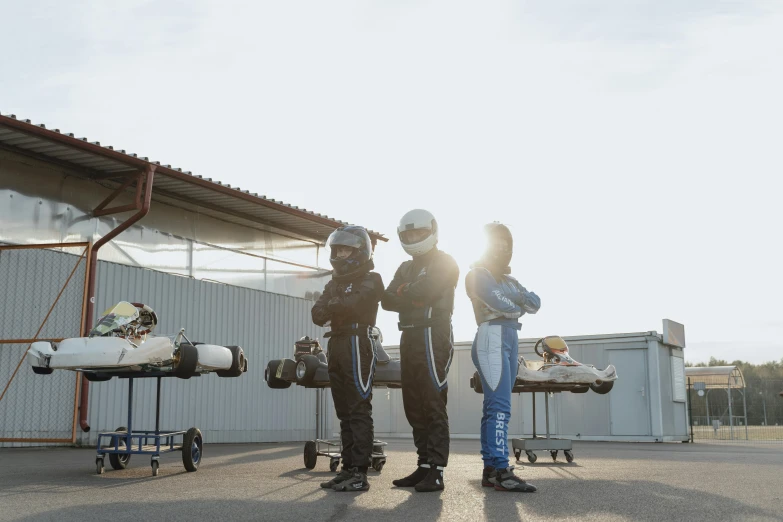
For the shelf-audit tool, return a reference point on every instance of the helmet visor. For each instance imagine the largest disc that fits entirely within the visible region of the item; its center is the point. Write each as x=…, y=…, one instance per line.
x=345, y=238
x=415, y=235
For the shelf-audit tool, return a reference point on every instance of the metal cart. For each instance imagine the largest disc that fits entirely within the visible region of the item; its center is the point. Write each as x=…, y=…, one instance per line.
x=123, y=442
x=322, y=447
x=551, y=444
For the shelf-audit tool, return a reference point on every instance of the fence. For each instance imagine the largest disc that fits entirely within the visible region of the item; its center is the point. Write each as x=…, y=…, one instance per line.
x=756, y=413
x=42, y=297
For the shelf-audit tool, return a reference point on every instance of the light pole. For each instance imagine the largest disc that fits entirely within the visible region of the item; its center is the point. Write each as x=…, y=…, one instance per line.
x=764, y=402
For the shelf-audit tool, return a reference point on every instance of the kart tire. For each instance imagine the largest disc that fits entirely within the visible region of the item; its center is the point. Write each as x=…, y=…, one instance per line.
x=311, y=364
x=310, y=454
x=603, y=388
x=38, y=370
x=188, y=360
x=271, y=379
x=192, y=449
x=116, y=460
x=583, y=389
x=476, y=381
x=96, y=377
x=237, y=363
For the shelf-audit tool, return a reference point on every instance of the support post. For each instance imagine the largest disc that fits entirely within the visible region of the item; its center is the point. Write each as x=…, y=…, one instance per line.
x=534, y=414
x=546, y=411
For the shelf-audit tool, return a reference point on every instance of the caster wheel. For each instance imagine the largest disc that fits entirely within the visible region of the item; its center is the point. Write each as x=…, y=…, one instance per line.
x=517, y=454
x=569, y=455
x=310, y=454
x=155, y=467
x=377, y=464
x=99, y=466
x=333, y=465
x=554, y=455
x=531, y=457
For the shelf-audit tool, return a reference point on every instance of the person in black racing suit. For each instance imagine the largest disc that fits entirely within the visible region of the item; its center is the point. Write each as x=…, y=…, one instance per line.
x=349, y=305
x=422, y=292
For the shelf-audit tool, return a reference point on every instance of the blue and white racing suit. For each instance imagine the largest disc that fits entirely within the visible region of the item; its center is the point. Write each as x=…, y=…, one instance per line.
x=497, y=306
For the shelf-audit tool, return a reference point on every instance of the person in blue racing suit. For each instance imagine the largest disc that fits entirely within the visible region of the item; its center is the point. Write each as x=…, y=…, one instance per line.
x=498, y=302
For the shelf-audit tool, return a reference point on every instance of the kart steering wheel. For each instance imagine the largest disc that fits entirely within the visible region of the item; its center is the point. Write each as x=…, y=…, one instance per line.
x=538, y=343
x=148, y=319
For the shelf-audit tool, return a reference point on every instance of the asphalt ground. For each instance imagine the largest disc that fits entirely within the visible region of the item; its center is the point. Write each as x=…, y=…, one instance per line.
x=606, y=482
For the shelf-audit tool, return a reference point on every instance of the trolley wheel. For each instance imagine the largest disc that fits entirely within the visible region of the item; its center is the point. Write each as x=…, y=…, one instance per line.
x=117, y=460
x=99, y=466
x=531, y=457
x=310, y=454
x=569, y=455
x=192, y=449
x=517, y=454
x=155, y=466
x=554, y=454
x=377, y=464
x=333, y=465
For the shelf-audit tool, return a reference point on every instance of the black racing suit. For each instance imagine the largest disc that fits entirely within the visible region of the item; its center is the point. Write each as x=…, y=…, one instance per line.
x=425, y=305
x=349, y=306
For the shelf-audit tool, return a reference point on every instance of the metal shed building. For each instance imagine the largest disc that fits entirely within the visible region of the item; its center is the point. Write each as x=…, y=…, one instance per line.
x=647, y=403
x=83, y=225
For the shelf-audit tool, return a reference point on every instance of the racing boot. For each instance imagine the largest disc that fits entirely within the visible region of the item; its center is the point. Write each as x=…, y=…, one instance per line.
x=357, y=481
x=505, y=480
x=414, y=478
x=489, y=477
x=345, y=474
x=432, y=482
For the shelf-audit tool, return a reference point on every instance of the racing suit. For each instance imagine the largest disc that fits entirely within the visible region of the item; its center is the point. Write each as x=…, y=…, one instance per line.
x=350, y=308
x=422, y=292
x=497, y=306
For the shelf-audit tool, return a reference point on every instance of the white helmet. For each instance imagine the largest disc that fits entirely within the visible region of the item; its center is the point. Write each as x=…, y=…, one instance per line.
x=418, y=232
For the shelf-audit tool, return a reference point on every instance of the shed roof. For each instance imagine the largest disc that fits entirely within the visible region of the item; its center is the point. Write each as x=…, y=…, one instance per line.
x=212, y=197
x=716, y=376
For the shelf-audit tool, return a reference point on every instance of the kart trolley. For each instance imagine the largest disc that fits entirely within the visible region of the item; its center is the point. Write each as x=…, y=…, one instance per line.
x=551, y=444
x=332, y=449
x=124, y=442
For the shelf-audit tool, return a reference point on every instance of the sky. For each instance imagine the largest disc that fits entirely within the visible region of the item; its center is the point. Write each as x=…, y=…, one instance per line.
x=633, y=147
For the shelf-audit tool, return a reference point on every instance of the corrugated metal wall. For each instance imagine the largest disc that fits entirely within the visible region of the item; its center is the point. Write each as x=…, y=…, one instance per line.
x=580, y=416
x=37, y=406
x=240, y=409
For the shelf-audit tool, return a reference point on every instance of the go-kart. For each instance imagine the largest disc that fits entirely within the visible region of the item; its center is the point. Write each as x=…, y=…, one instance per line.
x=557, y=372
x=309, y=368
x=121, y=343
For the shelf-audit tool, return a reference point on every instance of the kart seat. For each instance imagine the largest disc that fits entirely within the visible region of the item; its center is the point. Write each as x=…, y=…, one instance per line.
x=381, y=357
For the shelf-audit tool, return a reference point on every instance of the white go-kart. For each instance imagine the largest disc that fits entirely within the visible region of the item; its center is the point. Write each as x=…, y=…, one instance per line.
x=122, y=343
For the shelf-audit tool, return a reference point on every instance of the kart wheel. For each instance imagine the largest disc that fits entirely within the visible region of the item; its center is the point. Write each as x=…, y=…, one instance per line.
x=584, y=389
x=42, y=371
x=96, y=377
x=377, y=464
x=517, y=454
x=188, y=360
x=569, y=455
x=531, y=457
x=192, y=449
x=237, y=363
x=554, y=455
x=271, y=379
x=333, y=465
x=155, y=466
x=603, y=388
x=310, y=454
x=99, y=466
x=306, y=368
x=117, y=460
x=477, y=387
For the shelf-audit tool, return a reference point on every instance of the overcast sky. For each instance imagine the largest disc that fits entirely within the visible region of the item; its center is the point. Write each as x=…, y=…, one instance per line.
x=634, y=147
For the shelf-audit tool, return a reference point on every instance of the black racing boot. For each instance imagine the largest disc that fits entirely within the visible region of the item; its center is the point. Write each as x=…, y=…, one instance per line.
x=505, y=480
x=345, y=474
x=357, y=481
x=414, y=478
x=489, y=477
x=432, y=482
